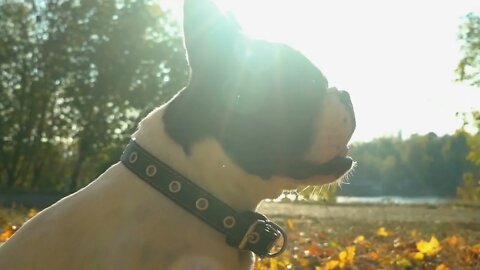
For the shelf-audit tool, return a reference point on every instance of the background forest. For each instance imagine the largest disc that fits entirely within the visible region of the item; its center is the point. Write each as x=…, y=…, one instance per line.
x=76, y=77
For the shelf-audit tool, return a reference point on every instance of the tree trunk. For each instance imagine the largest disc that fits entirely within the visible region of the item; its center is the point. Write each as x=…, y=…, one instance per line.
x=76, y=173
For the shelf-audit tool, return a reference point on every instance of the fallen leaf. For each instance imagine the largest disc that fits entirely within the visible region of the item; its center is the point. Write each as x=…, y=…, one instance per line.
x=441, y=267
x=419, y=256
x=372, y=255
x=350, y=253
x=476, y=249
x=359, y=239
x=382, y=232
x=429, y=248
x=342, y=256
x=314, y=250
x=330, y=265
x=290, y=223
x=8, y=231
x=304, y=262
x=403, y=262
x=452, y=240
x=32, y=212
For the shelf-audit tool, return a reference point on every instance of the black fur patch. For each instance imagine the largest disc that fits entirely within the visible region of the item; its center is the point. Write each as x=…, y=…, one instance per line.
x=259, y=99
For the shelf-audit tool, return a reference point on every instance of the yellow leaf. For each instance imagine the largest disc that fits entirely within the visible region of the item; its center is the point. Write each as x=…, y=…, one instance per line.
x=32, y=212
x=350, y=253
x=273, y=264
x=441, y=267
x=290, y=223
x=346, y=256
x=342, y=256
x=382, y=232
x=8, y=231
x=303, y=262
x=419, y=256
x=359, y=239
x=330, y=265
x=476, y=249
x=403, y=262
x=429, y=248
x=285, y=261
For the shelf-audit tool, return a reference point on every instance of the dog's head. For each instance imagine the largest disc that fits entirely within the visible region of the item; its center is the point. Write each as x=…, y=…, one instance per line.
x=266, y=104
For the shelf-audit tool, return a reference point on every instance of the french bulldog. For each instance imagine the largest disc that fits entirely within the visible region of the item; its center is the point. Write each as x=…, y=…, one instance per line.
x=256, y=118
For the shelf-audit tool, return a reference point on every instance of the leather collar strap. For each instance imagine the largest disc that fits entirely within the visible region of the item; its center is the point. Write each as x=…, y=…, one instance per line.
x=247, y=230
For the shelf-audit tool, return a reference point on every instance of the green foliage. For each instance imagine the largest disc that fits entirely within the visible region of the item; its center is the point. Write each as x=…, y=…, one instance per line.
x=474, y=140
x=469, y=70
x=469, y=189
x=419, y=166
x=75, y=78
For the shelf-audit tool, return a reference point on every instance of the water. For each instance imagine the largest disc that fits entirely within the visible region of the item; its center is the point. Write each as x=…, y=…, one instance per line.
x=392, y=200
x=373, y=200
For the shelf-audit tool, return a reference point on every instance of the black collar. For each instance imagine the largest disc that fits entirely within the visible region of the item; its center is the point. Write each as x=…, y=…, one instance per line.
x=247, y=230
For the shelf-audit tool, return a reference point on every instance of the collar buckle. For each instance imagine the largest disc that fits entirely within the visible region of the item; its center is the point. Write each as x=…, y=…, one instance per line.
x=264, y=238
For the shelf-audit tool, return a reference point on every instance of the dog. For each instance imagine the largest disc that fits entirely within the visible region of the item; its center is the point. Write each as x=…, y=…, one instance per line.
x=256, y=118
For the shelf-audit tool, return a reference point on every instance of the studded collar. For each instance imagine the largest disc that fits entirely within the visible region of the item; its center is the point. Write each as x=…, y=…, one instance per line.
x=244, y=230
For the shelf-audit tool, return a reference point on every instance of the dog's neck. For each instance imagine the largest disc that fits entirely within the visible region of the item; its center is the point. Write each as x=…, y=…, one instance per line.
x=207, y=165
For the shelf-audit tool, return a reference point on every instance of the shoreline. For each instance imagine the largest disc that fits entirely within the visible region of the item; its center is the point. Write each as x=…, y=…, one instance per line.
x=410, y=213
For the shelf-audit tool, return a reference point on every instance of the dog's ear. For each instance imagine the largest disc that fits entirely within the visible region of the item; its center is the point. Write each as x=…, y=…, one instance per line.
x=210, y=35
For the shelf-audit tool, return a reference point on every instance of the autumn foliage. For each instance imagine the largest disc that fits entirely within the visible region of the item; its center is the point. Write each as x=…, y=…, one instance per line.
x=378, y=248
x=316, y=247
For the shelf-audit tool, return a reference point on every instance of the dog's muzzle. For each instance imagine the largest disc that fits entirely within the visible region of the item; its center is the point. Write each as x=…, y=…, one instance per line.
x=246, y=230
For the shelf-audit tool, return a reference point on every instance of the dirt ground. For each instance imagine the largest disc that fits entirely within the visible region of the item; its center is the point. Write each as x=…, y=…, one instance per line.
x=447, y=213
x=352, y=219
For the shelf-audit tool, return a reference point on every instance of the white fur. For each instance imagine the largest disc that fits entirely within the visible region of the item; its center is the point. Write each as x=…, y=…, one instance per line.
x=120, y=222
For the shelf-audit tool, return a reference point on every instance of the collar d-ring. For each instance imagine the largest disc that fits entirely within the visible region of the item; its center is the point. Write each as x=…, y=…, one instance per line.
x=276, y=250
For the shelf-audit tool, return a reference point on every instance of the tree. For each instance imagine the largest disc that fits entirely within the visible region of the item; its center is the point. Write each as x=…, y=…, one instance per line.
x=422, y=165
x=468, y=70
x=75, y=77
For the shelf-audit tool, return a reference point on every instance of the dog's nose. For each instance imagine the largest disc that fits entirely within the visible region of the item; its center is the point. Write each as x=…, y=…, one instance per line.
x=344, y=98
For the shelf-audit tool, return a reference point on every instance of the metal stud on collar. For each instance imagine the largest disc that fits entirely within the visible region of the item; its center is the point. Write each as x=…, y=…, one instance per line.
x=229, y=222
x=253, y=238
x=174, y=186
x=151, y=170
x=133, y=157
x=201, y=204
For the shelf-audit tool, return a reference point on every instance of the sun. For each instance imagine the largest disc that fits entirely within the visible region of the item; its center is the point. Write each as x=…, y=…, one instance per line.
x=259, y=18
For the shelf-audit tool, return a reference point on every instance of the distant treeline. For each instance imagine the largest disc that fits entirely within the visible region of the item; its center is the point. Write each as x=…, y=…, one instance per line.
x=76, y=77
x=426, y=165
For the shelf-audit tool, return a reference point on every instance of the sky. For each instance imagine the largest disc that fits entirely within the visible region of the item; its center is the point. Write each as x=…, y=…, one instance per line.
x=396, y=58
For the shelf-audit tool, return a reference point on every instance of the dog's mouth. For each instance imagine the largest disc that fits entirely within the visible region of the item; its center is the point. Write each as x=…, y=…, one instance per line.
x=337, y=167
